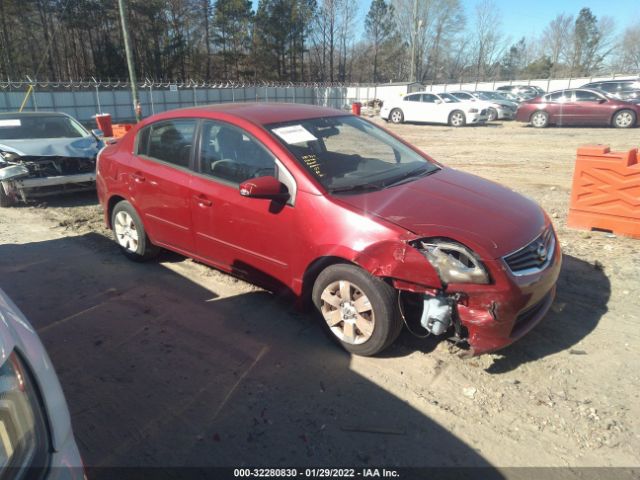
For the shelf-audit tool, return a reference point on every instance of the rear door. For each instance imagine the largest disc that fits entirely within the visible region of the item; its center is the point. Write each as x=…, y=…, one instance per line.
x=159, y=177
x=248, y=236
x=412, y=109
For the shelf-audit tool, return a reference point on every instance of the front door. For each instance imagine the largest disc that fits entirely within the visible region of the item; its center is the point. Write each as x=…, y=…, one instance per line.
x=247, y=236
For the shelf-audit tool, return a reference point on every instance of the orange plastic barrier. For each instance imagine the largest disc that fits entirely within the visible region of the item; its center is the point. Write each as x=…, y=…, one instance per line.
x=120, y=129
x=606, y=191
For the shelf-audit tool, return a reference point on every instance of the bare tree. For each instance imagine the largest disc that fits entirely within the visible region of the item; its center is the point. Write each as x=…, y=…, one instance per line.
x=487, y=39
x=628, y=58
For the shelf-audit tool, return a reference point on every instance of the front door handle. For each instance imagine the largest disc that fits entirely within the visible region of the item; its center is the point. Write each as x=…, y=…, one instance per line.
x=202, y=200
x=138, y=177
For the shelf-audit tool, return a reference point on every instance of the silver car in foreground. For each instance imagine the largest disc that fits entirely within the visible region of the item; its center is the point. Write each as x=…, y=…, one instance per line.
x=36, y=440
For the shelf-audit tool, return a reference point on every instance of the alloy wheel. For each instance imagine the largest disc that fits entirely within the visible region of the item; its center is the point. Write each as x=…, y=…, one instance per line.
x=348, y=312
x=457, y=119
x=624, y=119
x=126, y=232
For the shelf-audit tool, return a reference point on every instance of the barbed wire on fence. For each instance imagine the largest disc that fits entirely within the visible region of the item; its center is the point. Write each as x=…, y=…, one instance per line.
x=150, y=83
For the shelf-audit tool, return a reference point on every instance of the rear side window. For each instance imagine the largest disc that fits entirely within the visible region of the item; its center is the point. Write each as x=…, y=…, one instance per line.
x=559, y=97
x=169, y=141
x=412, y=98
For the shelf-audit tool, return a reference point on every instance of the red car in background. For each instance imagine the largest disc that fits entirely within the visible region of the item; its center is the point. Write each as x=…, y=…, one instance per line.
x=339, y=211
x=578, y=106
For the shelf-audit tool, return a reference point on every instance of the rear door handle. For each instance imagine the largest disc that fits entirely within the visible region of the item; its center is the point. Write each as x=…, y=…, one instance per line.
x=202, y=200
x=138, y=177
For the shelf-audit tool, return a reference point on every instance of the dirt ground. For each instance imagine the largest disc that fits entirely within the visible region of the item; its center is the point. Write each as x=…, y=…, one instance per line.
x=174, y=363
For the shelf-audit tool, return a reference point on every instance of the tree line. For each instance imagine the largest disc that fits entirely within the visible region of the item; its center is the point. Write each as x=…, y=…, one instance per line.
x=302, y=40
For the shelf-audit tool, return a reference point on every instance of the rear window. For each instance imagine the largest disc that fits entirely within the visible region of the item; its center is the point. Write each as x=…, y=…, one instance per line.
x=169, y=141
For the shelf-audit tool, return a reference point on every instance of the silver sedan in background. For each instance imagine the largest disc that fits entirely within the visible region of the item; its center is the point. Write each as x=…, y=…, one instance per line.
x=498, y=107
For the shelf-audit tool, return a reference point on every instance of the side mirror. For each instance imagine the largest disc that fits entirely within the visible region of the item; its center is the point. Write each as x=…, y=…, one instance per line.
x=602, y=100
x=264, y=187
x=99, y=134
x=438, y=101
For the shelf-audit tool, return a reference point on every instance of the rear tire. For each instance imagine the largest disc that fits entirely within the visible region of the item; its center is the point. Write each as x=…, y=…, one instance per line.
x=457, y=119
x=359, y=310
x=624, y=119
x=130, y=235
x=396, y=116
x=539, y=119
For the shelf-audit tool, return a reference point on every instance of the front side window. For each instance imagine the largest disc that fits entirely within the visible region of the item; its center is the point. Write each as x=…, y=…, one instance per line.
x=448, y=98
x=587, y=96
x=350, y=154
x=227, y=153
x=169, y=141
x=429, y=98
x=412, y=98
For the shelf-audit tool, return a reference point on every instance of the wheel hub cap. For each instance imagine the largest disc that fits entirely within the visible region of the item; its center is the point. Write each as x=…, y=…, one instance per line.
x=348, y=312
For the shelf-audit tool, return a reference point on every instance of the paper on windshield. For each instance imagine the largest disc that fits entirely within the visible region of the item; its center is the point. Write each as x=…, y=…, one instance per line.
x=294, y=134
x=12, y=122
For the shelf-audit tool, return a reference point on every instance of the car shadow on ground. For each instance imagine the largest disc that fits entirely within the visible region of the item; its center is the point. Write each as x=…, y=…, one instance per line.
x=581, y=301
x=161, y=371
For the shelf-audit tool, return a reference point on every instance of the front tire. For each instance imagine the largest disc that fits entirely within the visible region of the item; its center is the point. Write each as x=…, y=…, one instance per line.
x=492, y=114
x=396, y=116
x=5, y=200
x=624, y=119
x=359, y=310
x=457, y=119
x=130, y=235
x=540, y=119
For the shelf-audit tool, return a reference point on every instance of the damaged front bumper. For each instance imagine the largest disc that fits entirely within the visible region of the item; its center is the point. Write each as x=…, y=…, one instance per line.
x=30, y=177
x=488, y=317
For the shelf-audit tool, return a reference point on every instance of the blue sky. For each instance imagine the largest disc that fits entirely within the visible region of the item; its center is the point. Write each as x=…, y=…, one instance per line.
x=524, y=18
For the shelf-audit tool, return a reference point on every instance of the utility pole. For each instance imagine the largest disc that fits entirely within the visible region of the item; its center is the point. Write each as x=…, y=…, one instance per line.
x=414, y=36
x=127, y=50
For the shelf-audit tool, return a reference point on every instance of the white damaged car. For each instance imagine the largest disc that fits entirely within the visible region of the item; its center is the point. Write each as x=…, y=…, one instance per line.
x=36, y=440
x=433, y=108
x=44, y=153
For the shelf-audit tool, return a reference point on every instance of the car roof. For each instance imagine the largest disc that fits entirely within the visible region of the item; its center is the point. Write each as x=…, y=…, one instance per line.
x=262, y=113
x=631, y=80
x=32, y=114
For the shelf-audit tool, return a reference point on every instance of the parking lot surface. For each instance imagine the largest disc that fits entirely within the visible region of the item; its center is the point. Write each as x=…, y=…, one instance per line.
x=174, y=363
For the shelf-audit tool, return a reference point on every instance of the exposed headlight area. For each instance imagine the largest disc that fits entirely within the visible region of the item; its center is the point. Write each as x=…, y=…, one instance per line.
x=473, y=110
x=454, y=262
x=23, y=433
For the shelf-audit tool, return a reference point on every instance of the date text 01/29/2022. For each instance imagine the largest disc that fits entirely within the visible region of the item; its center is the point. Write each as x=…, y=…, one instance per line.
x=315, y=473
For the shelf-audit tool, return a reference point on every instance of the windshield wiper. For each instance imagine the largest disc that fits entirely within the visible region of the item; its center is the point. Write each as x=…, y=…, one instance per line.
x=418, y=172
x=355, y=188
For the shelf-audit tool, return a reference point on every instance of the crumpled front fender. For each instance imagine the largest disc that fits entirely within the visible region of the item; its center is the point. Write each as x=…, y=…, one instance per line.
x=399, y=261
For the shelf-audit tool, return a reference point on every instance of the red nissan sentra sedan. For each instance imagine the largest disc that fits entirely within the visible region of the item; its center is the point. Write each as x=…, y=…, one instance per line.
x=578, y=106
x=339, y=211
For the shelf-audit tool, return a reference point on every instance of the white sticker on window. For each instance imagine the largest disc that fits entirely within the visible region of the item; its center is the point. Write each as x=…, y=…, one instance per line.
x=294, y=134
x=12, y=122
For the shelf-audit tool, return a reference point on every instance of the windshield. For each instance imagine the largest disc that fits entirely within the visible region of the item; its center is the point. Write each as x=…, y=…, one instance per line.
x=349, y=154
x=448, y=98
x=490, y=96
x=39, y=126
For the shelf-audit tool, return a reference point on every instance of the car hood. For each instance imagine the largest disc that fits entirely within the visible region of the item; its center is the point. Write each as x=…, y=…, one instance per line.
x=55, y=147
x=458, y=205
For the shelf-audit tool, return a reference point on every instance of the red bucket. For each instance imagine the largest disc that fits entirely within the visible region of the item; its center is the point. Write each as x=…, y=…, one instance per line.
x=356, y=107
x=104, y=123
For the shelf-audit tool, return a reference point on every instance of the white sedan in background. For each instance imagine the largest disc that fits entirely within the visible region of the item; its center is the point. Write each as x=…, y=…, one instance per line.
x=433, y=108
x=36, y=440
